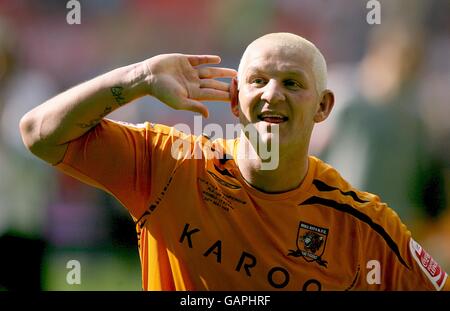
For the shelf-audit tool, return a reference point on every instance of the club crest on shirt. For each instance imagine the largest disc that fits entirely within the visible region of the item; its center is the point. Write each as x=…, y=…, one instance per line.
x=311, y=242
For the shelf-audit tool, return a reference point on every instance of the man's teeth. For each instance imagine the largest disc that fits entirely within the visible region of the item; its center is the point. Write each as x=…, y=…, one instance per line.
x=273, y=117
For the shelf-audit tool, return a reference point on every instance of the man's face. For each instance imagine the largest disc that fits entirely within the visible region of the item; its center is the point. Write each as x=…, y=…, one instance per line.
x=278, y=88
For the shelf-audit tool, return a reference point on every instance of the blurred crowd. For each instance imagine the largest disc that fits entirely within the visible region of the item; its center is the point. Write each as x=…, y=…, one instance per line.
x=388, y=134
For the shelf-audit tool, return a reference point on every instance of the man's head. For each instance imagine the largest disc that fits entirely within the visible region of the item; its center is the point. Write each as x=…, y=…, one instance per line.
x=289, y=40
x=282, y=81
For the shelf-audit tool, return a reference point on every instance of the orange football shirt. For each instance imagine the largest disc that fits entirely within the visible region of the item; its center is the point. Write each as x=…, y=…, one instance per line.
x=200, y=226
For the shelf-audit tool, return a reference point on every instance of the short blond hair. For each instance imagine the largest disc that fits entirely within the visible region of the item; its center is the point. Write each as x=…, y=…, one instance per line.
x=292, y=41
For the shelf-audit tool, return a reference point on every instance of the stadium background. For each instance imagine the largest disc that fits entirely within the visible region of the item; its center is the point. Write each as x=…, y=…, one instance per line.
x=389, y=132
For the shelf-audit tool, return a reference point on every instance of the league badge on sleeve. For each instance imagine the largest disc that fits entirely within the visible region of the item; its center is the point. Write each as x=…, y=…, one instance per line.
x=429, y=266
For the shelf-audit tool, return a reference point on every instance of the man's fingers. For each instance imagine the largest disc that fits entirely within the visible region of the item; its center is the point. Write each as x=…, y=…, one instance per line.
x=214, y=84
x=195, y=106
x=213, y=95
x=196, y=60
x=216, y=72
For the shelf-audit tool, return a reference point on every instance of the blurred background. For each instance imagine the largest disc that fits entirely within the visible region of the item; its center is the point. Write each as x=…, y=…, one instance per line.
x=389, y=132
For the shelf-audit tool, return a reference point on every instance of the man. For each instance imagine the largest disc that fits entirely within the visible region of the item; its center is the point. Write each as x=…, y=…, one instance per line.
x=226, y=222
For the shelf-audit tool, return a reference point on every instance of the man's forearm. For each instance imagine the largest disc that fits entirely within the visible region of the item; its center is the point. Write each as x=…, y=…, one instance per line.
x=72, y=113
x=179, y=81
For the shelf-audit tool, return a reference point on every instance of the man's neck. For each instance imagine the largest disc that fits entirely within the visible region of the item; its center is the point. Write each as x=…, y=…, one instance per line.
x=288, y=175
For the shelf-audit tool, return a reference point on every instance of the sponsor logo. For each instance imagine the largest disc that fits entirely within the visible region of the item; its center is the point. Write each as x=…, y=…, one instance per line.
x=311, y=242
x=429, y=266
x=276, y=276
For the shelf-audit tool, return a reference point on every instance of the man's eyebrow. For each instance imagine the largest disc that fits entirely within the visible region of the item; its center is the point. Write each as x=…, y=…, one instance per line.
x=254, y=69
x=297, y=72
x=291, y=72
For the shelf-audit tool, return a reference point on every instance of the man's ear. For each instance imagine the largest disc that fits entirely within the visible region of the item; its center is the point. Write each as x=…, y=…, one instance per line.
x=234, y=96
x=325, y=106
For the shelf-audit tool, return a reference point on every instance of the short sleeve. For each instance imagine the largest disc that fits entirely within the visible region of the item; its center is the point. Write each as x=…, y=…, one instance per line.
x=391, y=259
x=115, y=157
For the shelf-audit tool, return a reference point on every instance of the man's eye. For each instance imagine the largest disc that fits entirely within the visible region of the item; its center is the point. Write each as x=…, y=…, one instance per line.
x=292, y=84
x=258, y=81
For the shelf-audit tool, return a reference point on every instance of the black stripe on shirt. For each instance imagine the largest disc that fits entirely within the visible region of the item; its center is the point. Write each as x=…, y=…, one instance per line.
x=321, y=186
x=361, y=216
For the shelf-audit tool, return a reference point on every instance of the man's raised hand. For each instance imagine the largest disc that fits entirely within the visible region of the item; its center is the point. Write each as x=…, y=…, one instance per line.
x=181, y=82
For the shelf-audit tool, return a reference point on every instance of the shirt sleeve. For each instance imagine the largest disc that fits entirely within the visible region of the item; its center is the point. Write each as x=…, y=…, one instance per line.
x=115, y=157
x=392, y=260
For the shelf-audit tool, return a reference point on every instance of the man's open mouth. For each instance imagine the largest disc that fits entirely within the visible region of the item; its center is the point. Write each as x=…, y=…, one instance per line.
x=272, y=117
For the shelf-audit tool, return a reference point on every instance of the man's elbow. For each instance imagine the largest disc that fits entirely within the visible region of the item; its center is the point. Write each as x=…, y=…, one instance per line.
x=29, y=130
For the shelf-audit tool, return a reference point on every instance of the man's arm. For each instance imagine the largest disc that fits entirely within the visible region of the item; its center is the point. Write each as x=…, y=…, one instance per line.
x=174, y=79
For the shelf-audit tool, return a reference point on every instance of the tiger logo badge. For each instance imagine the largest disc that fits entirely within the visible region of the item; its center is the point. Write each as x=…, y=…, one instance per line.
x=311, y=242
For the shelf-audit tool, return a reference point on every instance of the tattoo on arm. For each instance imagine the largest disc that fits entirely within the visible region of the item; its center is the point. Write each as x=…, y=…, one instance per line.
x=117, y=94
x=95, y=121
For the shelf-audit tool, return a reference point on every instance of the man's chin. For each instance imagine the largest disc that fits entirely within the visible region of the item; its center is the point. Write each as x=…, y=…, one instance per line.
x=270, y=139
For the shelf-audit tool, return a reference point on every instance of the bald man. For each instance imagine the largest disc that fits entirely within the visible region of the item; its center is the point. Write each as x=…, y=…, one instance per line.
x=220, y=220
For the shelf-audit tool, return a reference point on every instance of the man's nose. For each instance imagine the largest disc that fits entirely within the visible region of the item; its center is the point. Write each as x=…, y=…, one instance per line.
x=272, y=92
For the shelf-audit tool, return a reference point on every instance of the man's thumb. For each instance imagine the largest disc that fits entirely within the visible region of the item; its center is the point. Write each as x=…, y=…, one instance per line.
x=197, y=106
